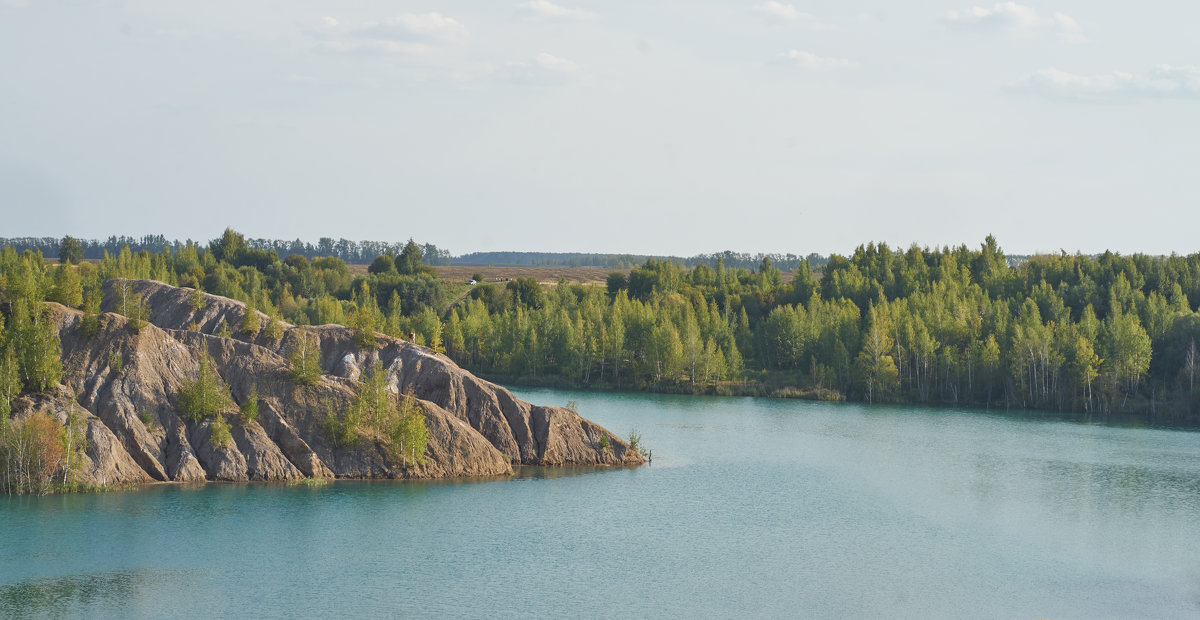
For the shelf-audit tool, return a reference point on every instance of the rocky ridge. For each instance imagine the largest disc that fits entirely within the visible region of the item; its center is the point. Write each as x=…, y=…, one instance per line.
x=125, y=384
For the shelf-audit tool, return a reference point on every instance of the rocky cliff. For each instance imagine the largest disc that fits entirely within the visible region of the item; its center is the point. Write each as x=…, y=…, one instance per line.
x=126, y=385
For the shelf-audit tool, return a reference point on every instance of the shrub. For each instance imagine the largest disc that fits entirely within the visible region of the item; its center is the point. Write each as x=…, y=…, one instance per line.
x=36, y=451
x=218, y=431
x=116, y=362
x=249, y=321
x=131, y=305
x=196, y=300
x=406, y=432
x=91, y=314
x=364, y=328
x=374, y=411
x=340, y=432
x=249, y=409
x=635, y=442
x=206, y=396
x=274, y=329
x=305, y=361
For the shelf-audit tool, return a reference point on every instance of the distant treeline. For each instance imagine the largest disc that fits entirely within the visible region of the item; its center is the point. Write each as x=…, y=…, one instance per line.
x=363, y=252
x=353, y=252
x=734, y=260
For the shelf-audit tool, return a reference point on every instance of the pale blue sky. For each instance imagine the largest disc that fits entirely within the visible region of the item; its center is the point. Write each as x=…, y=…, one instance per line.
x=644, y=127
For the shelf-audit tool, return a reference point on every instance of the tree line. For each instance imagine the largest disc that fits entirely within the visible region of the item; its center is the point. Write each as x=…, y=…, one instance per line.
x=956, y=326
x=363, y=252
x=948, y=326
x=629, y=261
x=349, y=251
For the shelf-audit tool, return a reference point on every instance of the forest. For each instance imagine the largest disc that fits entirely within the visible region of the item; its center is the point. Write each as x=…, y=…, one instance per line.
x=354, y=252
x=954, y=326
x=949, y=326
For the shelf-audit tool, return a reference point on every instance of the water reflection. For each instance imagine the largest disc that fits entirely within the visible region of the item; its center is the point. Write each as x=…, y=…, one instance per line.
x=85, y=594
x=535, y=472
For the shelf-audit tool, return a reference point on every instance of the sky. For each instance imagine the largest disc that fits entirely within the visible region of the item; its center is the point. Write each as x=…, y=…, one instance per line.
x=618, y=126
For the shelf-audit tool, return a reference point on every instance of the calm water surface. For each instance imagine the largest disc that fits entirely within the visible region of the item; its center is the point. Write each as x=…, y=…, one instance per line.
x=751, y=508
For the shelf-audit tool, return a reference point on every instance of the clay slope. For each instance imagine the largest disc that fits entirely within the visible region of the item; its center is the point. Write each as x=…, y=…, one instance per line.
x=476, y=428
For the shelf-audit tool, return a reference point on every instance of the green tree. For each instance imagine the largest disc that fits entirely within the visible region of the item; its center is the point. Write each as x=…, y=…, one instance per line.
x=1128, y=350
x=229, y=248
x=384, y=264
x=75, y=442
x=34, y=338
x=90, y=324
x=249, y=409
x=206, y=396
x=876, y=366
x=197, y=300
x=372, y=399
x=131, y=305
x=10, y=377
x=68, y=289
x=250, y=320
x=305, y=360
x=1085, y=367
x=71, y=251
x=274, y=329
x=409, y=261
x=342, y=431
x=455, y=343
x=219, y=431
x=363, y=325
x=408, y=435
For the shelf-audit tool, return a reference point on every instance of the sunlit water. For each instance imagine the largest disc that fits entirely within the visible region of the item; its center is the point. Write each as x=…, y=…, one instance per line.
x=751, y=508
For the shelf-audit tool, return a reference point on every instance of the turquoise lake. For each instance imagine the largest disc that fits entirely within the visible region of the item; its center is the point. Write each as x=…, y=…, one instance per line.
x=751, y=508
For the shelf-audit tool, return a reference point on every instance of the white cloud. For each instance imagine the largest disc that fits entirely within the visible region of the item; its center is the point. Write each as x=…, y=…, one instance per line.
x=1016, y=19
x=409, y=34
x=786, y=13
x=809, y=60
x=545, y=69
x=1161, y=82
x=554, y=63
x=14, y=4
x=416, y=27
x=778, y=10
x=547, y=9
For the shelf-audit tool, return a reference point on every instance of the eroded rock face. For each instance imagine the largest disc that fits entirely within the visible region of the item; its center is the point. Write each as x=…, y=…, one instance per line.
x=127, y=383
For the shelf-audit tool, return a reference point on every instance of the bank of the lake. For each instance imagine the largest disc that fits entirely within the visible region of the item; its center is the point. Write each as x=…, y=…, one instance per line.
x=752, y=507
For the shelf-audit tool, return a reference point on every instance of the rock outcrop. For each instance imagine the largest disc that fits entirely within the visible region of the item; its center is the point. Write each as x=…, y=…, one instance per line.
x=126, y=384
